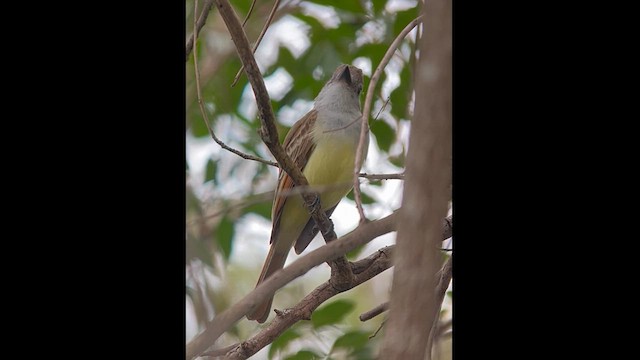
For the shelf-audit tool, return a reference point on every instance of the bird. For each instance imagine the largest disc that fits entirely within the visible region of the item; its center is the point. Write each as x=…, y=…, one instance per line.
x=323, y=144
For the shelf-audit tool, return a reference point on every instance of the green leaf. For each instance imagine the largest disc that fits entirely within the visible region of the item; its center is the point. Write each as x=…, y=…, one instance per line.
x=262, y=208
x=363, y=353
x=353, y=254
x=322, y=54
x=385, y=135
x=346, y=5
x=398, y=160
x=196, y=121
x=378, y=5
x=192, y=201
x=353, y=340
x=375, y=52
x=201, y=250
x=342, y=38
x=331, y=313
x=210, y=172
x=282, y=341
x=402, y=94
x=403, y=18
x=316, y=26
x=366, y=199
x=240, y=6
x=304, y=355
x=224, y=236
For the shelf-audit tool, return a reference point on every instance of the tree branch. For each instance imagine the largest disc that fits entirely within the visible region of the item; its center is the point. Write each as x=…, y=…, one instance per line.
x=415, y=301
x=205, y=118
x=220, y=323
x=447, y=232
x=367, y=109
x=371, y=266
x=219, y=352
x=199, y=24
x=374, y=312
x=255, y=46
x=225, y=146
x=447, y=227
x=244, y=22
x=381, y=176
x=364, y=269
x=441, y=289
x=444, y=277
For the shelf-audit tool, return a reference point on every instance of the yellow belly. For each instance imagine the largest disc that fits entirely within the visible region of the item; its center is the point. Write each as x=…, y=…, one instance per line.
x=330, y=172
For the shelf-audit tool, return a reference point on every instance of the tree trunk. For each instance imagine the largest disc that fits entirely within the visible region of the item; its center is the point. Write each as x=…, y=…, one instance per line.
x=413, y=304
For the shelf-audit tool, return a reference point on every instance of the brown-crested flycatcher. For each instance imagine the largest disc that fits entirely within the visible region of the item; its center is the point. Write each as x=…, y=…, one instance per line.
x=323, y=144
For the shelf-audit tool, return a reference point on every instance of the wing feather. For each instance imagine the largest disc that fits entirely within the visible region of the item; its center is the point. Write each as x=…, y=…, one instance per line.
x=299, y=145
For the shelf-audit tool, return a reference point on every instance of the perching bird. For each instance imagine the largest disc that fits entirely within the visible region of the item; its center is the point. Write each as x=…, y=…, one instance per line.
x=323, y=143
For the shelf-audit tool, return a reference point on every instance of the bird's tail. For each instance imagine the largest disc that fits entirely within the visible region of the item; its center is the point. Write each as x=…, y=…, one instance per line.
x=275, y=261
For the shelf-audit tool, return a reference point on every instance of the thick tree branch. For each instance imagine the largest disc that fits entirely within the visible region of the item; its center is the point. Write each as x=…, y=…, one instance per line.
x=370, y=267
x=220, y=323
x=367, y=109
x=415, y=301
x=199, y=24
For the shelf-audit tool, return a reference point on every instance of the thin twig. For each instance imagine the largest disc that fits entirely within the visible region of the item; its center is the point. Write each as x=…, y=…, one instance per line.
x=357, y=119
x=255, y=46
x=235, y=205
x=374, y=312
x=442, y=327
x=205, y=118
x=382, y=176
x=440, y=292
x=219, y=352
x=384, y=106
x=201, y=21
x=228, y=148
x=378, y=329
x=367, y=109
x=253, y=3
x=256, y=199
x=447, y=226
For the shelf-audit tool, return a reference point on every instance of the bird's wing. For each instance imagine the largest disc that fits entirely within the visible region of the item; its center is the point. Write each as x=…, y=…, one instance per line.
x=299, y=145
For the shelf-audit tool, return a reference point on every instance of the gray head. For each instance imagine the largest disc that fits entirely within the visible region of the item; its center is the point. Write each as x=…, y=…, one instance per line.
x=345, y=84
